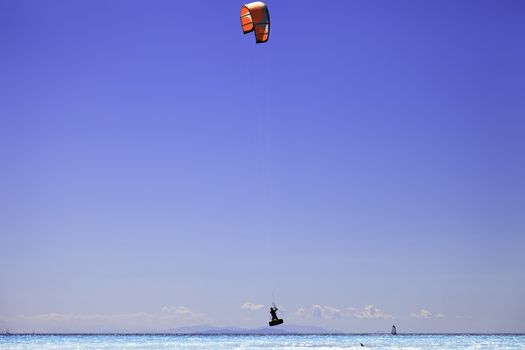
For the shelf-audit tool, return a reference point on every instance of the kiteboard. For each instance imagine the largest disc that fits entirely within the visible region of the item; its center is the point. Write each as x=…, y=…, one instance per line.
x=276, y=322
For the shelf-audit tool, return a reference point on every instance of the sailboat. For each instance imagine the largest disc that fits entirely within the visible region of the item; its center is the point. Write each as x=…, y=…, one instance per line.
x=394, y=332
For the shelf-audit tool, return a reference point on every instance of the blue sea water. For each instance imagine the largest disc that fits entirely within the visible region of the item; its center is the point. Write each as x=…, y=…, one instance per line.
x=256, y=342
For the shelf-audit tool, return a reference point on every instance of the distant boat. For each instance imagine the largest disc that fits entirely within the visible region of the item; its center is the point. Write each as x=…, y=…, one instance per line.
x=394, y=332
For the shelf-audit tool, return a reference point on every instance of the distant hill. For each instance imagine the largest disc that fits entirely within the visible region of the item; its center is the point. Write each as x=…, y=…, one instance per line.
x=284, y=329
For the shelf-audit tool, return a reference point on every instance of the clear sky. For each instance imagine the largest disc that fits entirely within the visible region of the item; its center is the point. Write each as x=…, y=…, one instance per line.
x=160, y=169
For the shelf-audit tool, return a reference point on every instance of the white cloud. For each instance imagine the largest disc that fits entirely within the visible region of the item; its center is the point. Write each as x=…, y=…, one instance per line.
x=167, y=309
x=169, y=317
x=182, y=312
x=370, y=312
x=329, y=312
x=251, y=306
x=425, y=314
x=422, y=314
x=463, y=316
x=301, y=312
x=319, y=311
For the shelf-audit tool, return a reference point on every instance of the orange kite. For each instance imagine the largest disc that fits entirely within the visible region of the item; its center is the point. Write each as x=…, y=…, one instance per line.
x=255, y=16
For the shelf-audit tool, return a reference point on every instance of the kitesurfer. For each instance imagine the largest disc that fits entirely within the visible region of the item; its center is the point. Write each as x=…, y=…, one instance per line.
x=273, y=311
x=275, y=320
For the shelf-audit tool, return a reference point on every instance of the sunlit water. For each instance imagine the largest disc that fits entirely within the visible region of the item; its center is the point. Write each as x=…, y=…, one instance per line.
x=256, y=342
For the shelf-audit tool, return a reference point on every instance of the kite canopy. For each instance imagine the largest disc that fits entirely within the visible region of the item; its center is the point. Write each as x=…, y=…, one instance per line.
x=255, y=17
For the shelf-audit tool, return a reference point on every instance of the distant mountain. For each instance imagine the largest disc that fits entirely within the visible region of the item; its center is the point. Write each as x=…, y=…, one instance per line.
x=284, y=329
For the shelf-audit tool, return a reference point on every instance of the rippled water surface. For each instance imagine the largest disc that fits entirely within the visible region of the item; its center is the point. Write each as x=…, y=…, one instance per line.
x=255, y=342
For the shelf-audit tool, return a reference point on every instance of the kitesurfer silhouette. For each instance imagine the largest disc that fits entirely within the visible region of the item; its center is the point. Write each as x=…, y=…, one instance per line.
x=273, y=311
x=275, y=320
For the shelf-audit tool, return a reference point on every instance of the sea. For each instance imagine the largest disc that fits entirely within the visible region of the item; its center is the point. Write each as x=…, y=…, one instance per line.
x=266, y=342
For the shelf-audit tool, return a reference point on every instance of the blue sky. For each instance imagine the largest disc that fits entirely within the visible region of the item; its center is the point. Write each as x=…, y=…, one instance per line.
x=365, y=165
